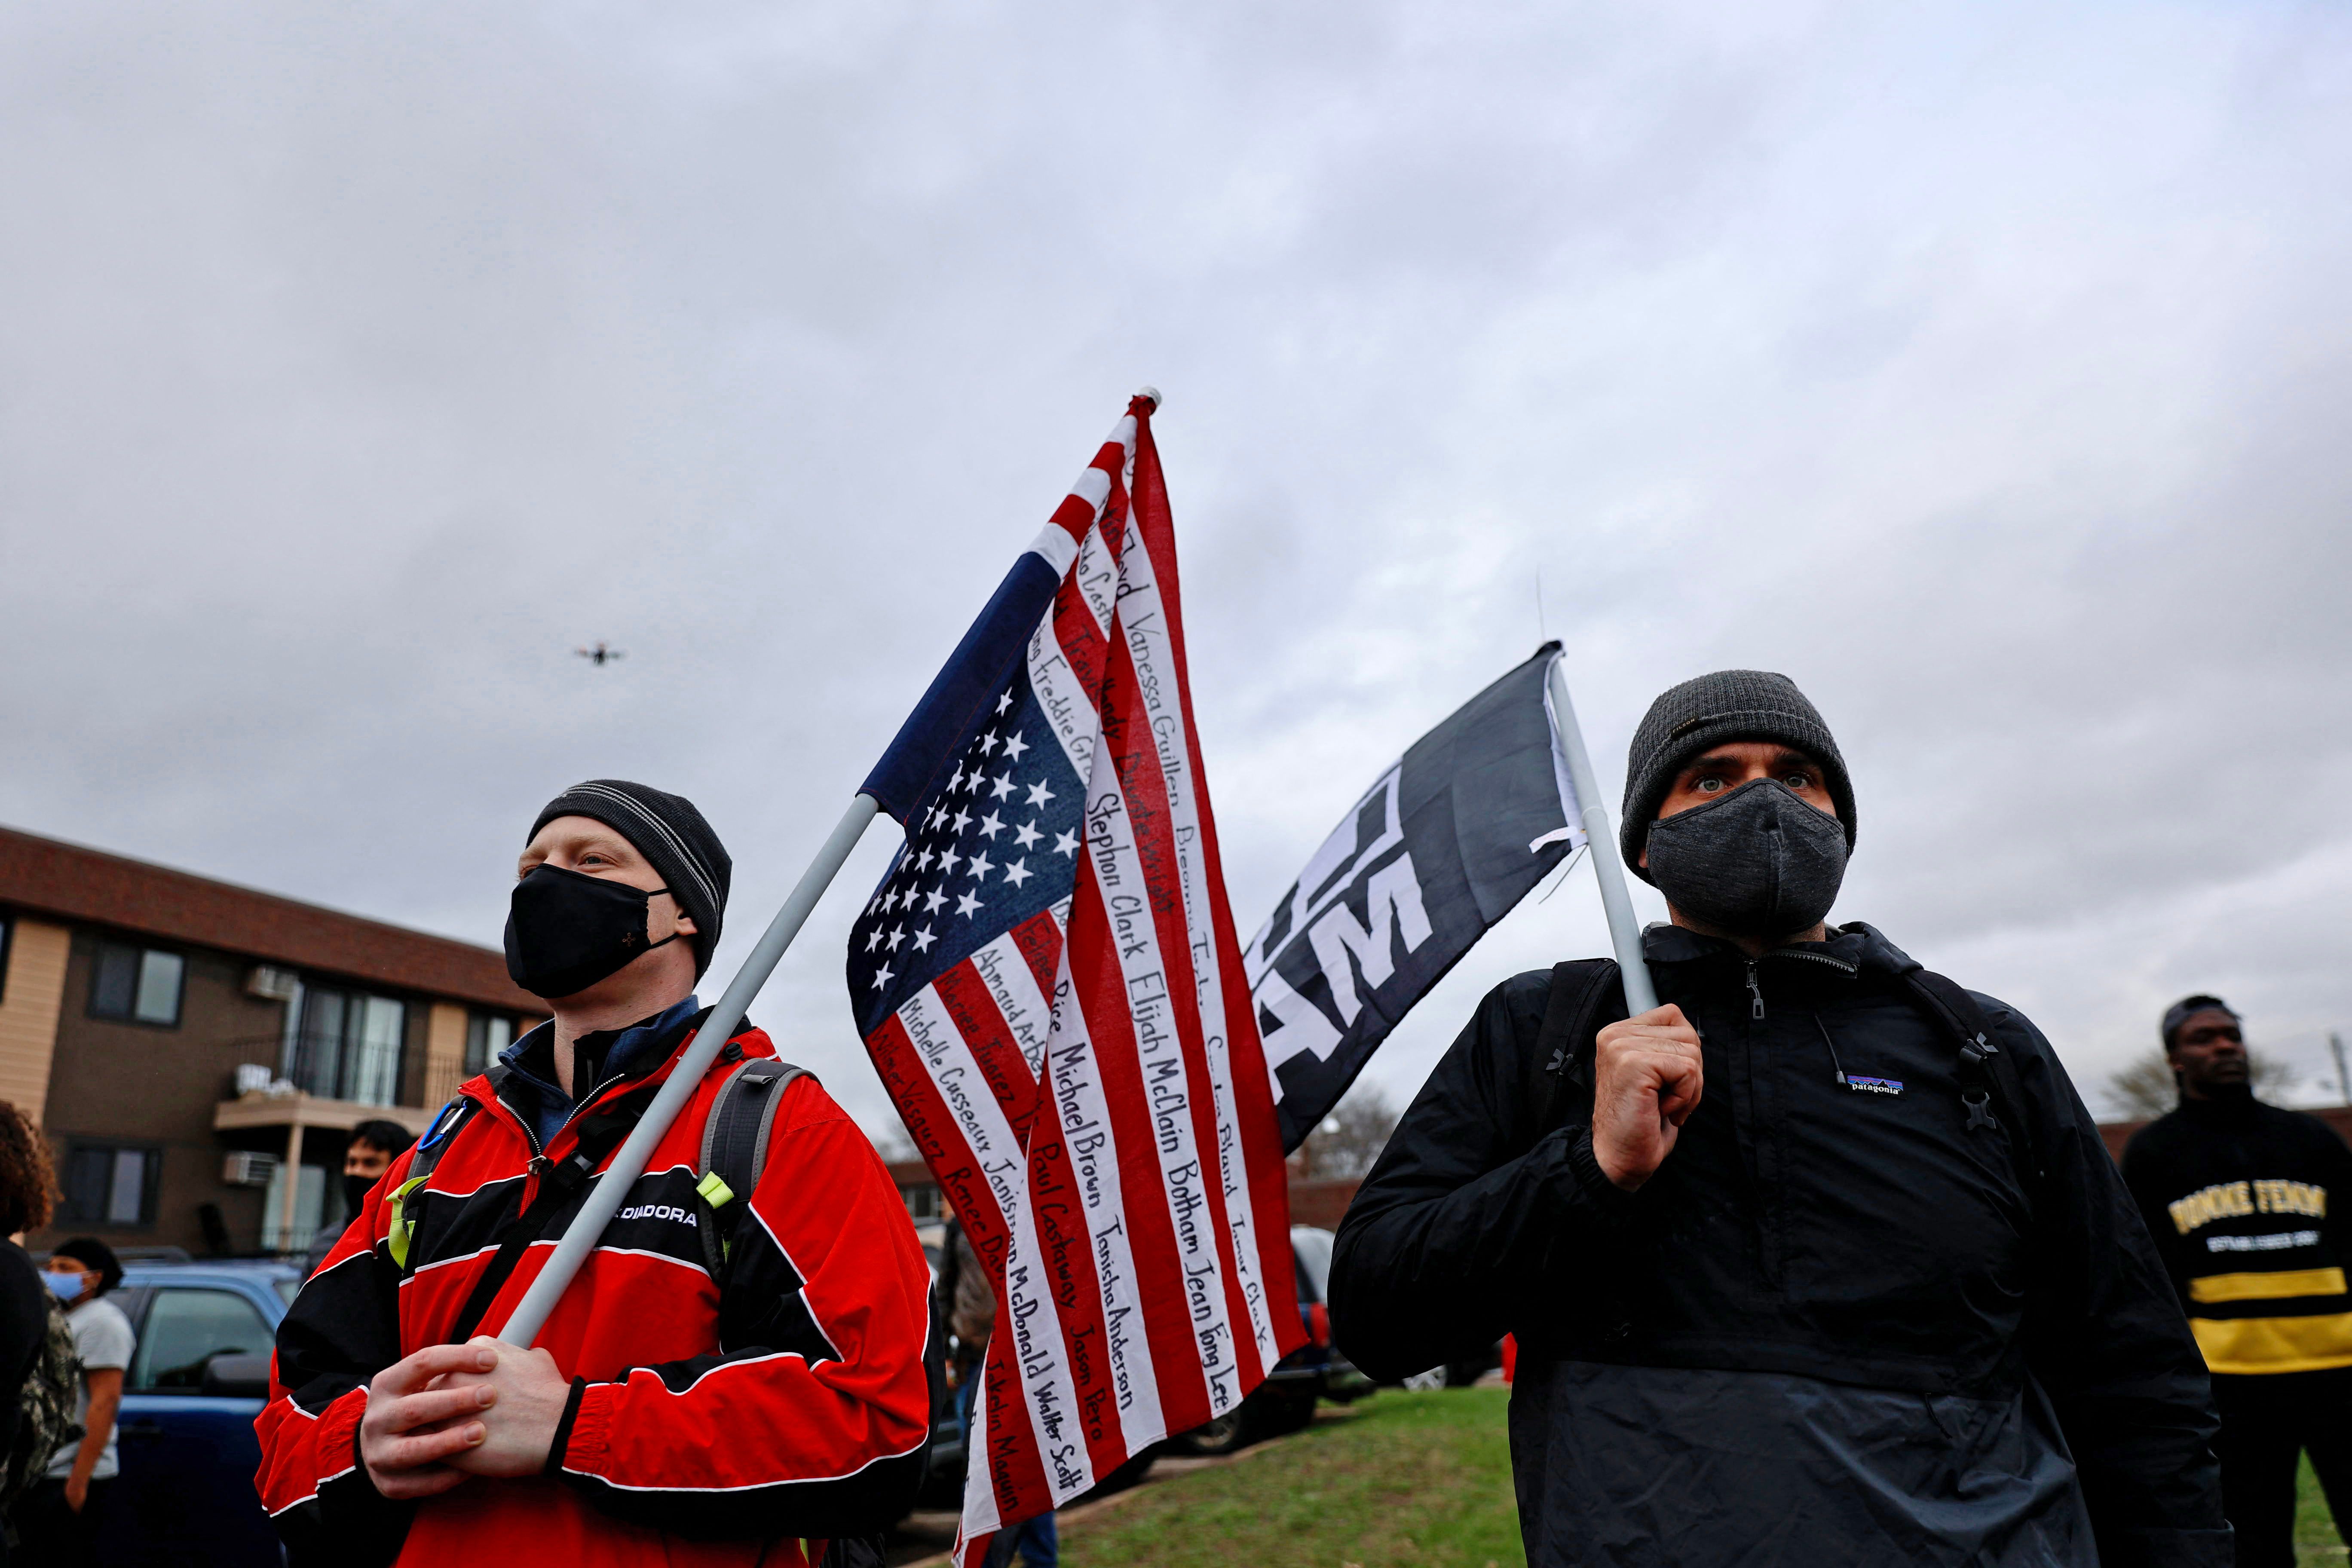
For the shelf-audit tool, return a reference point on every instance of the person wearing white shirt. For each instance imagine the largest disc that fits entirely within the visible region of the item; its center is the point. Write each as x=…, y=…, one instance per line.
x=58, y=1521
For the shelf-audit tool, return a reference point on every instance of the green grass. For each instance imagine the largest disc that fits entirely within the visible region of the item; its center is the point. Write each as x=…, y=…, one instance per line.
x=1400, y=1478
x=2315, y=1540
x=1419, y=1479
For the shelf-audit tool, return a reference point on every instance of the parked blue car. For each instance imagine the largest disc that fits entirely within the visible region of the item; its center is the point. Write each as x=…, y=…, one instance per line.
x=198, y=1377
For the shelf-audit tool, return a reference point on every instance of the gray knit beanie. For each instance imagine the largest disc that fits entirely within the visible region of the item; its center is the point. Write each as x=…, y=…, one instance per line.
x=673, y=837
x=1729, y=705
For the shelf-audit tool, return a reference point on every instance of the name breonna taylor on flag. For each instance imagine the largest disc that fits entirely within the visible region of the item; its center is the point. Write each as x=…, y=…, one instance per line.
x=1049, y=981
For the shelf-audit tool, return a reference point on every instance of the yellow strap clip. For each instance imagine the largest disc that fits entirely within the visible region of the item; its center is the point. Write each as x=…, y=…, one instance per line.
x=404, y=1225
x=715, y=1190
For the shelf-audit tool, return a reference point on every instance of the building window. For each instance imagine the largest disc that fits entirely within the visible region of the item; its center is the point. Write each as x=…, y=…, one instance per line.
x=922, y=1202
x=109, y=1184
x=344, y=1045
x=486, y=1034
x=142, y=985
x=278, y=1233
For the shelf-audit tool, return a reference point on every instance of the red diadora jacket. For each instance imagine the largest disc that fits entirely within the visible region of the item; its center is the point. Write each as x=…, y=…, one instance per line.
x=737, y=1420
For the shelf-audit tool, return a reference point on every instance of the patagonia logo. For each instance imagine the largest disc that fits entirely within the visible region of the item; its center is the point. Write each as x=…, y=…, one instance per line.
x=1875, y=1085
x=659, y=1210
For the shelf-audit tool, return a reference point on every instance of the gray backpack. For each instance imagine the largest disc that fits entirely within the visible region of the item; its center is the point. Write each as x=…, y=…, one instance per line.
x=45, y=1410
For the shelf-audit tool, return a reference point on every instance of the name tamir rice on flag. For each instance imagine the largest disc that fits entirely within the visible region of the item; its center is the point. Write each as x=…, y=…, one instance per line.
x=1049, y=981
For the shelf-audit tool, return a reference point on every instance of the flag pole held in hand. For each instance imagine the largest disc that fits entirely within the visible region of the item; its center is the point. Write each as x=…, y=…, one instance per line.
x=1624, y=932
x=629, y=1164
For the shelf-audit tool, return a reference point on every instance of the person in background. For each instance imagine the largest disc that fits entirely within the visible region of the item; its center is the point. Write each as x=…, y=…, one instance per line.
x=373, y=1147
x=2242, y=1199
x=26, y=1188
x=59, y=1520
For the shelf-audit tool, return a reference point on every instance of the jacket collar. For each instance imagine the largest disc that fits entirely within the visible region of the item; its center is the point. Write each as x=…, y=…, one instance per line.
x=526, y=1077
x=1856, y=949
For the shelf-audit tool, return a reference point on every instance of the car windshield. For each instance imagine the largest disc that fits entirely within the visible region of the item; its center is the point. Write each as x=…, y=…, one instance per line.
x=1313, y=1249
x=288, y=1287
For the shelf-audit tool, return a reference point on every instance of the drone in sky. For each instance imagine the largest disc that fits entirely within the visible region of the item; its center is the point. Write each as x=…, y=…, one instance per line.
x=599, y=655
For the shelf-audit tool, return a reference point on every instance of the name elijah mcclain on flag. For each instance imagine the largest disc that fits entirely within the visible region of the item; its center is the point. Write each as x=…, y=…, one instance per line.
x=1049, y=983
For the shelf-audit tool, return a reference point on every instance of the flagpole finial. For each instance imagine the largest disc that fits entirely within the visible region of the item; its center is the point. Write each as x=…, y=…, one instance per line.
x=1152, y=393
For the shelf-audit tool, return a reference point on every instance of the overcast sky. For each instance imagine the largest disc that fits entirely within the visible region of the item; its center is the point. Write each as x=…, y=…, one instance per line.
x=1984, y=367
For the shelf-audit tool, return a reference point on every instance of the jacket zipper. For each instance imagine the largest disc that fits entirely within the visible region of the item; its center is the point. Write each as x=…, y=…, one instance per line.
x=1756, y=1009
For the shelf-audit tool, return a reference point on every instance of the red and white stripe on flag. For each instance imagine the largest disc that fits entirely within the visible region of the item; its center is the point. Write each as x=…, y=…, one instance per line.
x=1088, y=1087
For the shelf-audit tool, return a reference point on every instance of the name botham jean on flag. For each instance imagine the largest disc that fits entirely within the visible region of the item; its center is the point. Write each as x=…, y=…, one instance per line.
x=1050, y=984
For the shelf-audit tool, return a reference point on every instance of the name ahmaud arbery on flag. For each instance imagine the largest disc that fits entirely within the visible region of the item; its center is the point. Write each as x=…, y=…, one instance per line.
x=1050, y=984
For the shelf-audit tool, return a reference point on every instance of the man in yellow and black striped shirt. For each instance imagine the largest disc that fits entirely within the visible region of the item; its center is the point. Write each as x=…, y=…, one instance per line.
x=2237, y=1195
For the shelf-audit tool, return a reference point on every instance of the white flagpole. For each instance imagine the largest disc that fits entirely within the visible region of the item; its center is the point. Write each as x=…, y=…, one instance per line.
x=1625, y=934
x=628, y=1164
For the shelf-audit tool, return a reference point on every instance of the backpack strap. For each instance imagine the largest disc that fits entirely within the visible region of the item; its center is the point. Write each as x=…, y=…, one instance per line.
x=1563, y=1053
x=405, y=1198
x=1989, y=1085
x=735, y=1150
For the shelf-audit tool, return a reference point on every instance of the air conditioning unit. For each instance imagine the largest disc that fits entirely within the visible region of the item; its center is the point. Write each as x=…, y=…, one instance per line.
x=272, y=983
x=244, y=1168
x=253, y=1078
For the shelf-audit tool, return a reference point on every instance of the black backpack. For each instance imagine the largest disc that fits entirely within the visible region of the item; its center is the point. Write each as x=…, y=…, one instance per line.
x=1587, y=995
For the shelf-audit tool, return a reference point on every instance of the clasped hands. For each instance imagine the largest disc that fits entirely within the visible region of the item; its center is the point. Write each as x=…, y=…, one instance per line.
x=482, y=1408
x=1647, y=1078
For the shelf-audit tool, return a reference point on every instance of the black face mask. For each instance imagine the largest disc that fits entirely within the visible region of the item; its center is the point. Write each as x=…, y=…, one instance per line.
x=355, y=1192
x=566, y=930
x=1757, y=863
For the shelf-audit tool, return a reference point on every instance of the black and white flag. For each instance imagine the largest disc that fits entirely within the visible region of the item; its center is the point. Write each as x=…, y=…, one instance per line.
x=1449, y=839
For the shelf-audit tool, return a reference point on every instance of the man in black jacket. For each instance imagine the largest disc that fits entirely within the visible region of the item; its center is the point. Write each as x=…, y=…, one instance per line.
x=1820, y=1263
x=2237, y=1195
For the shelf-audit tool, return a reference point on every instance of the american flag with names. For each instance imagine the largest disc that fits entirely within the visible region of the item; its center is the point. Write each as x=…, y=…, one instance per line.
x=1049, y=981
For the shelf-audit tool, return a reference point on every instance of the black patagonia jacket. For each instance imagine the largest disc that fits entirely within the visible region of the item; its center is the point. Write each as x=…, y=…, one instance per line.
x=1808, y=1338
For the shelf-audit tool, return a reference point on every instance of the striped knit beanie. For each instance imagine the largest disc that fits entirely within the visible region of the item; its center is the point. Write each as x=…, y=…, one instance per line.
x=672, y=836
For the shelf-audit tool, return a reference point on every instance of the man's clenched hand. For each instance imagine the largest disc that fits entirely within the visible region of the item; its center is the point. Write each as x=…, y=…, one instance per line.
x=525, y=1399
x=1647, y=1075
x=414, y=1425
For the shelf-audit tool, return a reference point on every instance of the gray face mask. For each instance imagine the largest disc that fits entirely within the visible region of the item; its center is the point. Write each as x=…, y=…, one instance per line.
x=1757, y=863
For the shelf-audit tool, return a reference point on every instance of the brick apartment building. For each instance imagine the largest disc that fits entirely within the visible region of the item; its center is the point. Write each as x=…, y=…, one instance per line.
x=198, y=1052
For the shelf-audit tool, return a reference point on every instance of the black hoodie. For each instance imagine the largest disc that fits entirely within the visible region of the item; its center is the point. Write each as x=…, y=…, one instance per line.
x=1815, y=1327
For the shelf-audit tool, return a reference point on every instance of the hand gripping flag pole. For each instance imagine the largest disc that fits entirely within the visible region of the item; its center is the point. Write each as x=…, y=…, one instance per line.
x=1624, y=934
x=629, y=1164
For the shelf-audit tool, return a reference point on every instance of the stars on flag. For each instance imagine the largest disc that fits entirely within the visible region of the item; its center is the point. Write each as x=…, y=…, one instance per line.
x=978, y=813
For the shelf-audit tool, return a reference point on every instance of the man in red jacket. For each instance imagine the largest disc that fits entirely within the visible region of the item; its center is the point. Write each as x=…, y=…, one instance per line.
x=715, y=1387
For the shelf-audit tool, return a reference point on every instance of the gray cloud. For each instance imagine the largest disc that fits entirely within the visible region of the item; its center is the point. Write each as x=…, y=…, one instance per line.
x=1982, y=368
